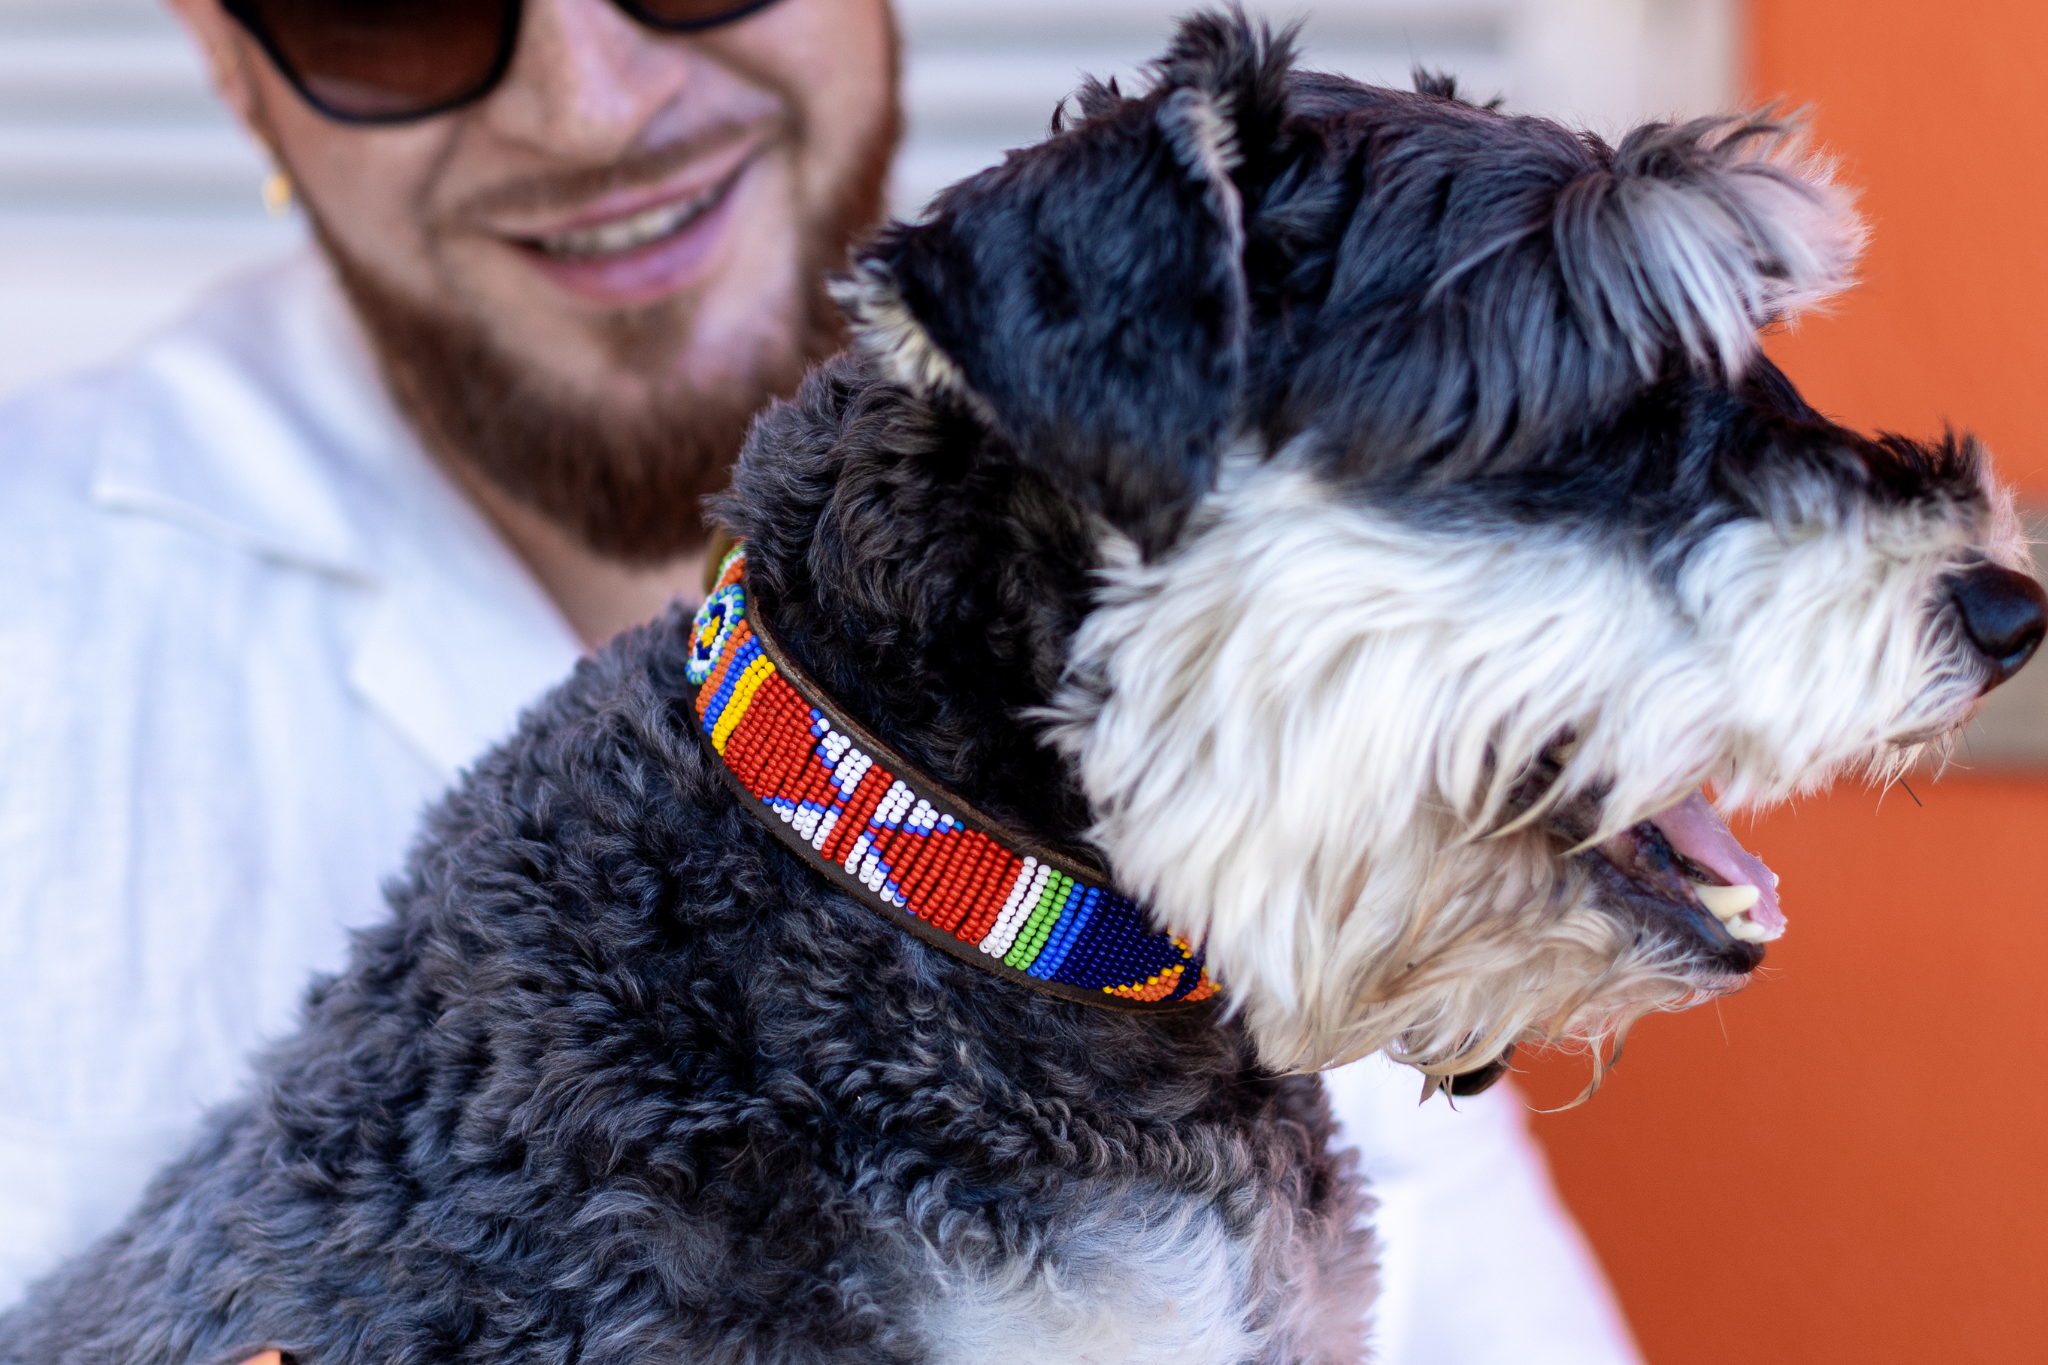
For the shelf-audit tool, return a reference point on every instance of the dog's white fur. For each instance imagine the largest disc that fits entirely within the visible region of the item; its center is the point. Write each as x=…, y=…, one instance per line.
x=1204, y=141
x=1300, y=729
x=884, y=328
x=1139, y=1276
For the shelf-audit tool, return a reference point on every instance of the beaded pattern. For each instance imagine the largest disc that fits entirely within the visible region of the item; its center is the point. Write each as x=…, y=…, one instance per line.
x=912, y=857
x=717, y=619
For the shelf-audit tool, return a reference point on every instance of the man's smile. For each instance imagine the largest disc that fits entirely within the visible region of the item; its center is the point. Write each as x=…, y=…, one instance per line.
x=635, y=230
x=635, y=246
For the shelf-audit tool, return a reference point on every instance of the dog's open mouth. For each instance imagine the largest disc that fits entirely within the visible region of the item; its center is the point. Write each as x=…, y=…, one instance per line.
x=1689, y=850
x=1683, y=864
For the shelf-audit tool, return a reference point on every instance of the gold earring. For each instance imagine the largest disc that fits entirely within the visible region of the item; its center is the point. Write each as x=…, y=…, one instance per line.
x=277, y=194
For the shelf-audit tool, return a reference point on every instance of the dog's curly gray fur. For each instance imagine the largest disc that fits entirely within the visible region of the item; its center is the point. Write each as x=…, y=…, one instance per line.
x=623, y=1080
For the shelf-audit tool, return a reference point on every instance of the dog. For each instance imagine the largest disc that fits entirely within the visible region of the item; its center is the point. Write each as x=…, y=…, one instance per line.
x=1270, y=583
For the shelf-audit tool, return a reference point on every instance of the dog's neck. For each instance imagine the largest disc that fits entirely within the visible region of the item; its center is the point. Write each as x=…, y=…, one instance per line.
x=904, y=845
x=928, y=585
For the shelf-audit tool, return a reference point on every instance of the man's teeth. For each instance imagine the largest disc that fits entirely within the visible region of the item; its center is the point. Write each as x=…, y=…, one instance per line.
x=623, y=234
x=1730, y=905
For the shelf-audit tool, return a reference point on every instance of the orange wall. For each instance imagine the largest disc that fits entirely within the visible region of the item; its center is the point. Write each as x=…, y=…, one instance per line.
x=1939, y=110
x=1849, y=1161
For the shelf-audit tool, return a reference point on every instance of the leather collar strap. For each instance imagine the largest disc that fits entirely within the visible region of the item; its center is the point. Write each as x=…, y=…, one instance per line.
x=902, y=844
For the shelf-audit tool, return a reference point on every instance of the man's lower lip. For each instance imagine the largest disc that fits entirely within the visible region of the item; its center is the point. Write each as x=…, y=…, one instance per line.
x=649, y=273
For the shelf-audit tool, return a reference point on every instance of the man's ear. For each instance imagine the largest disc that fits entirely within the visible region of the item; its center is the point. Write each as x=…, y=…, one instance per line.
x=1087, y=298
x=226, y=51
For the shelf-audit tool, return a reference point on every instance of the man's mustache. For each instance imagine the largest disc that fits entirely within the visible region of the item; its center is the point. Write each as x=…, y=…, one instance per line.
x=556, y=191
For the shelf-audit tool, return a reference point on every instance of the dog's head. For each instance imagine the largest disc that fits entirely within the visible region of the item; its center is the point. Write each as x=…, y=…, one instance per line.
x=1453, y=533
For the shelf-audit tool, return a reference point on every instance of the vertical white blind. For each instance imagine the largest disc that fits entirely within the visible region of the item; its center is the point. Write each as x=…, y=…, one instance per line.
x=124, y=186
x=984, y=75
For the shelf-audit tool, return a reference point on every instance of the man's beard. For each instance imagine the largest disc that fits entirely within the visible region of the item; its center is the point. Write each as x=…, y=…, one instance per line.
x=629, y=484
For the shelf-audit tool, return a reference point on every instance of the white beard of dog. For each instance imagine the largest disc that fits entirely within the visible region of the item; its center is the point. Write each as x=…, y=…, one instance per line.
x=1300, y=729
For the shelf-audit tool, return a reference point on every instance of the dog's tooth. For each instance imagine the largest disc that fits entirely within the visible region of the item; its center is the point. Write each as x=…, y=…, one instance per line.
x=1726, y=902
x=1749, y=931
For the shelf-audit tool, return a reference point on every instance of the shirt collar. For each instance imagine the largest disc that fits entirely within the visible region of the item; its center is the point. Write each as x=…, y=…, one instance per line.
x=261, y=423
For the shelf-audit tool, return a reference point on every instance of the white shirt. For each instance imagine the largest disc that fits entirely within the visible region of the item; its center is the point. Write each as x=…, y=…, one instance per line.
x=247, y=631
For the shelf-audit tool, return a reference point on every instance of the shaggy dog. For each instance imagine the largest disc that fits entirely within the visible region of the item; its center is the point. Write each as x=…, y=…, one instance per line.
x=1357, y=523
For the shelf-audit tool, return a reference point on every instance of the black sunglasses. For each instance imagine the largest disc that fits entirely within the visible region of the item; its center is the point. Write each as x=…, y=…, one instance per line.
x=390, y=61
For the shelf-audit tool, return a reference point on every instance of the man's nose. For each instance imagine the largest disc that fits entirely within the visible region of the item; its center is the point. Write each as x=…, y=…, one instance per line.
x=2004, y=613
x=585, y=79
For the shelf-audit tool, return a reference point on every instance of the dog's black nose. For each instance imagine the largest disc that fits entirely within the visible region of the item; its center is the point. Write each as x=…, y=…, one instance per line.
x=2005, y=614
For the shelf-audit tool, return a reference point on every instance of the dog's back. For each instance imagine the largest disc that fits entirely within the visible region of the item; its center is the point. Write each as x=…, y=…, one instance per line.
x=620, y=1081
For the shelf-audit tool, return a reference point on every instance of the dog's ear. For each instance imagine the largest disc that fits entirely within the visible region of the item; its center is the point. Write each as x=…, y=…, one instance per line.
x=1086, y=298
x=1695, y=235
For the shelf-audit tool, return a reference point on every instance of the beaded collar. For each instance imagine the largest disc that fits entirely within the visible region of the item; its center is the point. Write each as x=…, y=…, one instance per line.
x=902, y=844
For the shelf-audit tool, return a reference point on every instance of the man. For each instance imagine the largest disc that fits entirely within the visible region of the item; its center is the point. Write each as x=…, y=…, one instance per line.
x=270, y=582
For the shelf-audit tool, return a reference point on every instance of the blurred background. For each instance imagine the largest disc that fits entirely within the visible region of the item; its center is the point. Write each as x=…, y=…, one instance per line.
x=1841, y=1162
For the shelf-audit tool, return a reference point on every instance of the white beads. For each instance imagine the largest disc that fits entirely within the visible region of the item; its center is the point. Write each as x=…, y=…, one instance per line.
x=861, y=860
x=1017, y=907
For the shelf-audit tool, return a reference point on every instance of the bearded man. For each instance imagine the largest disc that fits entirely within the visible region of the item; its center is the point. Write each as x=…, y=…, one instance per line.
x=273, y=579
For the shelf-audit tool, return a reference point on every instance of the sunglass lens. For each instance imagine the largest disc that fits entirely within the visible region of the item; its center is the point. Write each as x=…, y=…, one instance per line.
x=379, y=60
x=685, y=16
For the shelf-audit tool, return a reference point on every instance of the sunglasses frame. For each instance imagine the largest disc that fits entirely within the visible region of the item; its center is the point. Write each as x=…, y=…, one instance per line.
x=244, y=13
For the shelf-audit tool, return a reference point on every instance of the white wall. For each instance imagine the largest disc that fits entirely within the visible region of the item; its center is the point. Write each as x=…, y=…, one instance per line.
x=125, y=189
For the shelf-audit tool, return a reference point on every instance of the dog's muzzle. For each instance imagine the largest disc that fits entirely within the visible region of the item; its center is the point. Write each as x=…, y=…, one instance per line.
x=1681, y=869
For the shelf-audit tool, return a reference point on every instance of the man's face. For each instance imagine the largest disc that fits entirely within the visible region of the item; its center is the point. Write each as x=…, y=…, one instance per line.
x=620, y=246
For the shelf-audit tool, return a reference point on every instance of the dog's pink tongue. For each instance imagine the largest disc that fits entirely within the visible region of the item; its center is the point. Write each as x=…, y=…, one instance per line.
x=1697, y=830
